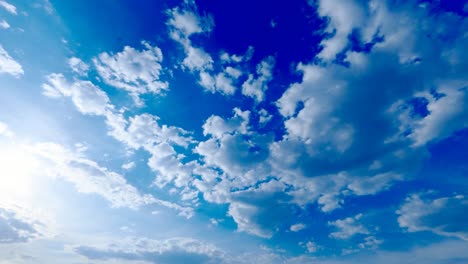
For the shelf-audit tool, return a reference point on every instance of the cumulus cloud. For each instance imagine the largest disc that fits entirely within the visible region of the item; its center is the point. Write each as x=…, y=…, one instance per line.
x=256, y=87
x=444, y=216
x=143, y=131
x=215, y=76
x=9, y=65
x=183, y=23
x=78, y=66
x=87, y=97
x=135, y=71
x=348, y=227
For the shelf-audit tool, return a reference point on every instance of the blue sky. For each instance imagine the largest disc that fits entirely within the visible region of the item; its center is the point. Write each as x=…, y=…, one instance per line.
x=321, y=131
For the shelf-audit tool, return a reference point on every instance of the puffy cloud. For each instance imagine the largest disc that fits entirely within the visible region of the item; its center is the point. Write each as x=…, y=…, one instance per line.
x=135, y=71
x=444, y=216
x=87, y=98
x=256, y=87
x=182, y=24
x=348, y=227
x=217, y=126
x=331, y=128
x=344, y=16
x=9, y=65
x=214, y=76
x=8, y=7
x=78, y=66
x=144, y=131
x=186, y=22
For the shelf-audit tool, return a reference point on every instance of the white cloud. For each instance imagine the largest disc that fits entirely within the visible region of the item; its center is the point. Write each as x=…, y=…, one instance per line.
x=344, y=17
x=297, y=227
x=4, y=24
x=19, y=224
x=447, y=114
x=185, y=22
x=172, y=250
x=91, y=178
x=256, y=87
x=348, y=227
x=370, y=242
x=144, y=131
x=5, y=130
x=137, y=72
x=374, y=184
x=8, y=7
x=311, y=247
x=8, y=64
x=78, y=66
x=444, y=216
x=129, y=165
x=182, y=24
x=242, y=215
x=197, y=59
x=87, y=98
x=217, y=126
x=265, y=117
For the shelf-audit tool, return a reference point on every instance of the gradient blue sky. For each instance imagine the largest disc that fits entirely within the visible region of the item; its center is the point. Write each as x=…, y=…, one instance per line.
x=320, y=131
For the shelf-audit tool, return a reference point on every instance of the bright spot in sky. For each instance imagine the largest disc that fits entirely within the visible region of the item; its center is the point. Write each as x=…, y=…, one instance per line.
x=18, y=168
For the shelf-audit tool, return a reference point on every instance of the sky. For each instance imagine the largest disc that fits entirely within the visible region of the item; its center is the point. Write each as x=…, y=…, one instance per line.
x=201, y=131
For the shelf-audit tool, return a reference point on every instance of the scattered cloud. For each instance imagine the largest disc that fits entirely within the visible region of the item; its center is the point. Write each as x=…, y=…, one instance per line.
x=17, y=227
x=87, y=97
x=297, y=227
x=129, y=165
x=348, y=227
x=135, y=71
x=78, y=66
x=444, y=216
x=4, y=24
x=256, y=87
x=311, y=247
x=8, y=64
x=8, y=7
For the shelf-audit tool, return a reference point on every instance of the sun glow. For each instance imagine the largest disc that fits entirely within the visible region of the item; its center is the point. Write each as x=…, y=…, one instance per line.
x=17, y=169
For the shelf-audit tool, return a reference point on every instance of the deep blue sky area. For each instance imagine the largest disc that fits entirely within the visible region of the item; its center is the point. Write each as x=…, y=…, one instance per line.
x=201, y=131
